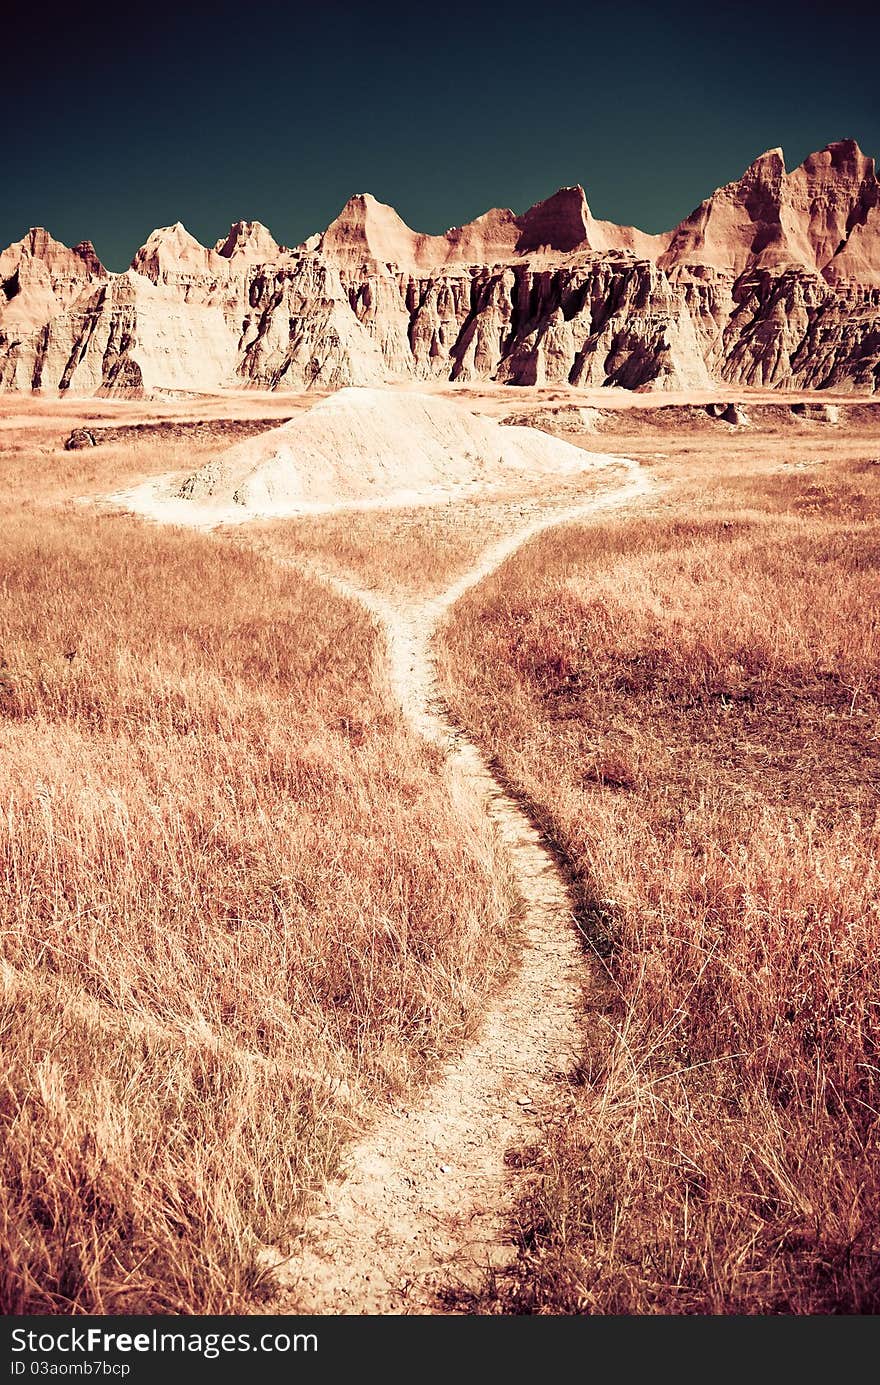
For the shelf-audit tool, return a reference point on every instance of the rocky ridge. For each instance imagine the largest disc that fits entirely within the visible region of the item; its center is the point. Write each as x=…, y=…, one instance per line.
x=774, y=280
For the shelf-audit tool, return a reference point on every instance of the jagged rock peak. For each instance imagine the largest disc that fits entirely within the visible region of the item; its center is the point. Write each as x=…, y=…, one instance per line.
x=832, y=195
x=86, y=252
x=774, y=279
x=560, y=222
x=369, y=229
x=58, y=258
x=769, y=218
x=172, y=250
x=770, y=164
x=842, y=153
x=249, y=241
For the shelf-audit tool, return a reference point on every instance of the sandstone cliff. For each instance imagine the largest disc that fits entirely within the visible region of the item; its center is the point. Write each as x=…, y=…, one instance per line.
x=773, y=280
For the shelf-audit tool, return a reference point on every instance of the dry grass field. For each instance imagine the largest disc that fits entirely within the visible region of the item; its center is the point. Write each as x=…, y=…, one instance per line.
x=689, y=701
x=242, y=904
x=414, y=553
x=245, y=908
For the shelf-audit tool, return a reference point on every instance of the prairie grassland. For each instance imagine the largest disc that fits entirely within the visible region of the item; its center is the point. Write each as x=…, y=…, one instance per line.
x=420, y=551
x=241, y=904
x=36, y=471
x=689, y=701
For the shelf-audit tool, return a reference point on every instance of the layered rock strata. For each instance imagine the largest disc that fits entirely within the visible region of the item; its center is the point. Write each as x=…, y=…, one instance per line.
x=774, y=280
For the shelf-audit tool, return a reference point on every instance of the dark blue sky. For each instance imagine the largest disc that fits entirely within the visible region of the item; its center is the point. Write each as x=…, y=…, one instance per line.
x=122, y=118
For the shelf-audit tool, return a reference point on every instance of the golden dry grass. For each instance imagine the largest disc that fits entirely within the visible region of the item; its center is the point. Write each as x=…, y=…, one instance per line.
x=36, y=471
x=241, y=904
x=420, y=551
x=690, y=703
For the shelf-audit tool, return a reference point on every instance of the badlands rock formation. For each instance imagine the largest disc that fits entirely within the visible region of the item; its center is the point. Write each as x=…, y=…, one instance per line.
x=369, y=446
x=770, y=219
x=773, y=280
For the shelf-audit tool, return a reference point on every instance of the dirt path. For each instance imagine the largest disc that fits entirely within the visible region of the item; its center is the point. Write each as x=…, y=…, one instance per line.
x=423, y=1205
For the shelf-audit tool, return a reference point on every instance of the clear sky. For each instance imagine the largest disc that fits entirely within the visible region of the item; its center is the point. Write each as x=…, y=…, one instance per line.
x=123, y=117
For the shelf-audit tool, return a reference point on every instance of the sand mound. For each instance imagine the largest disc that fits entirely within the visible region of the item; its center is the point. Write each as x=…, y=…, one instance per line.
x=374, y=447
